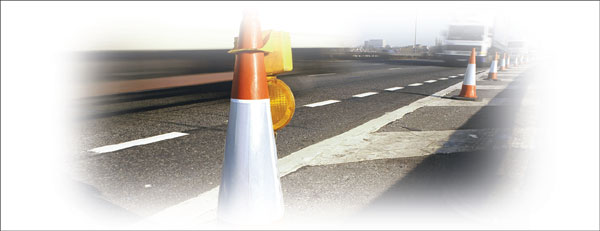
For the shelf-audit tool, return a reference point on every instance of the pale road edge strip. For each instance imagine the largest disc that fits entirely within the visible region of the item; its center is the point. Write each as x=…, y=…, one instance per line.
x=204, y=206
x=138, y=142
x=419, y=143
x=296, y=160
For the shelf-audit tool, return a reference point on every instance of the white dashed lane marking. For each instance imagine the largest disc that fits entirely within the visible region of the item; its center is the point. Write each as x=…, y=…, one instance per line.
x=129, y=144
x=322, y=103
x=452, y=76
x=461, y=74
x=364, y=94
x=443, y=78
x=394, y=68
x=431, y=81
x=202, y=209
x=394, y=88
x=415, y=84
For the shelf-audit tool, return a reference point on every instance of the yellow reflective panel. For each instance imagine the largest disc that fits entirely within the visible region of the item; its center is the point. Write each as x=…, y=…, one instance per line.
x=282, y=102
x=279, y=56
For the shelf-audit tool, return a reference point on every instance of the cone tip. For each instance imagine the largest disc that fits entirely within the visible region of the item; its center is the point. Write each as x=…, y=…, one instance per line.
x=473, y=54
x=250, y=36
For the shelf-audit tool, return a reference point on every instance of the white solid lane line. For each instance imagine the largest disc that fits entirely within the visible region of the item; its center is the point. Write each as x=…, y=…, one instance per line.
x=317, y=104
x=321, y=74
x=128, y=144
x=365, y=94
x=395, y=68
x=415, y=84
x=443, y=78
x=394, y=88
x=431, y=81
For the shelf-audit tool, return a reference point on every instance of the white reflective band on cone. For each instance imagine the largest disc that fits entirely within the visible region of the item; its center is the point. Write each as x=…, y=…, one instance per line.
x=250, y=190
x=470, y=75
x=494, y=67
x=503, y=63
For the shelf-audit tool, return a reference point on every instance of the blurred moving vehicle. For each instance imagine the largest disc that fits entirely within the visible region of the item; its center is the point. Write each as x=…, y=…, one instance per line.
x=487, y=38
x=461, y=37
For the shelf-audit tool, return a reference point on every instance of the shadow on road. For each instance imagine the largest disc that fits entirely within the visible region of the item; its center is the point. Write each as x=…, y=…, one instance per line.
x=450, y=187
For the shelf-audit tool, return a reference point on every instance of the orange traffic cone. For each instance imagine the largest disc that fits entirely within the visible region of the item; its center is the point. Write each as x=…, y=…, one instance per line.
x=493, y=75
x=250, y=190
x=468, y=91
x=507, y=61
x=503, y=63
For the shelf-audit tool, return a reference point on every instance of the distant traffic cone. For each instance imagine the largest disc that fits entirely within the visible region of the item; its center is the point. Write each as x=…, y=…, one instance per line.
x=250, y=190
x=493, y=75
x=503, y=63
x=468, y=91
x=517, y=63
x=508, y=61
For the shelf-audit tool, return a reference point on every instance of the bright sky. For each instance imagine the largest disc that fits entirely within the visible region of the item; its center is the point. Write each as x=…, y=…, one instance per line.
x=212, y=25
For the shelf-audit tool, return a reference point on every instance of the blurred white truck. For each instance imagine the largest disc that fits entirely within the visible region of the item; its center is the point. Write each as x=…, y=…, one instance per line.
x=460, y=37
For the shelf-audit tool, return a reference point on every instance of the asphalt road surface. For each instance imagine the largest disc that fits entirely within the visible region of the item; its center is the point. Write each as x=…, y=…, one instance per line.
x=131, y=183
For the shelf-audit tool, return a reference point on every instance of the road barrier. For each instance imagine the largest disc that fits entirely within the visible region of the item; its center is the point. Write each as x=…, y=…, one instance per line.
x=503, y=63
x=468, y=91
x=250, y=190
x=493, y=75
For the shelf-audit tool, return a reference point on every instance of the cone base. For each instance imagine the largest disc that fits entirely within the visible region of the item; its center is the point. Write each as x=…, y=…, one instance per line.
x=465, y=98
x=468, y=91
x=224, y=221
x=492, y=76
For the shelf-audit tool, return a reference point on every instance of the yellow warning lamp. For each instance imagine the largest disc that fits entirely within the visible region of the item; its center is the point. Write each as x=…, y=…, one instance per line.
x=278, y=59
x=282, y=102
